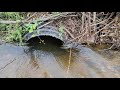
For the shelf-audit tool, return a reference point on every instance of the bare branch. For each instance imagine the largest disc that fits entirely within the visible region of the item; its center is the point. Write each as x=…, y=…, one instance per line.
x=10, y=22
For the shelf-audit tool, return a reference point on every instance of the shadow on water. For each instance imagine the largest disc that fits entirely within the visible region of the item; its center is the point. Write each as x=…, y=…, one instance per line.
x=48, y=60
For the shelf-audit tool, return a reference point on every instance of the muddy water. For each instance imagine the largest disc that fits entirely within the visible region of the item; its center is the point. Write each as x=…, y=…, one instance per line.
x=50, y=61
x=113, y=57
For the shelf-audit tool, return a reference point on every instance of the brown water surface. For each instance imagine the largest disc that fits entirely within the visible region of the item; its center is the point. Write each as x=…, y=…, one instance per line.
x=50, y=61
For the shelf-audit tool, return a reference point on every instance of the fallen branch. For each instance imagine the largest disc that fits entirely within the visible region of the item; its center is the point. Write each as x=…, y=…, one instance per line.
x=44, y=24
x=104, y=27
x=69, y=33
x=31, y=16
x=10, y=22
x=7, y=64
x=53, y=17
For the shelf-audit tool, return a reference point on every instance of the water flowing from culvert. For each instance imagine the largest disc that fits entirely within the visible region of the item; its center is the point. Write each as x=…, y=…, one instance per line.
x=50, y=61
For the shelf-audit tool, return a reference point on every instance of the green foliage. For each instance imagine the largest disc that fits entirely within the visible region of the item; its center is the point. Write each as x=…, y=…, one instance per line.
x=3, y=27
x=19, y=31
x=31, y=27
x=15, y=32
x=11, y=15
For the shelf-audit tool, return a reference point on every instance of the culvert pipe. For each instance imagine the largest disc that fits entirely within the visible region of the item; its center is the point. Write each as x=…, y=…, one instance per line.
x=45, y=31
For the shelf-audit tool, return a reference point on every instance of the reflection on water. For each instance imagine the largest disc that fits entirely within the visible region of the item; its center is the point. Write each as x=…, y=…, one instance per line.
x=50, y=61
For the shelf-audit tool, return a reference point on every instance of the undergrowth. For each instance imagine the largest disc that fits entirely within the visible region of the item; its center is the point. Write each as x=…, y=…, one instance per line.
x=15, y=32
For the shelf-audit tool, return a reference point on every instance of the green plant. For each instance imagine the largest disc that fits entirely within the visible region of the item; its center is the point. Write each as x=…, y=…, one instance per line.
x=11, y=16
x=31, y=27
x=15, y=32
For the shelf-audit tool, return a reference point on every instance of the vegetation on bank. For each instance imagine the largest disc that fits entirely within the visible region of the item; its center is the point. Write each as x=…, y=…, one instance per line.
x=83, y=27
x=14, y=31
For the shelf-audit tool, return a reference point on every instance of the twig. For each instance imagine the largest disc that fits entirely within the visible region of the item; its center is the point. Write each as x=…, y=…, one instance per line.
x=69, y=61
x=79, y=36
x=44, y=24
x=89, y=23
x=7, y=64
x=10, y=22
x=31, y=16
x=69, y=33
x=56, y=16
x=94, y=28
x=83, y=18
x=17, y=21
x=53, y=17
x=94, y=20
x=41, y=40
x=104, y=27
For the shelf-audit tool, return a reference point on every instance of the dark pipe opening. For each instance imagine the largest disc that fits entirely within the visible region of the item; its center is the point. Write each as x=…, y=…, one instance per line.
x=45, y=40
